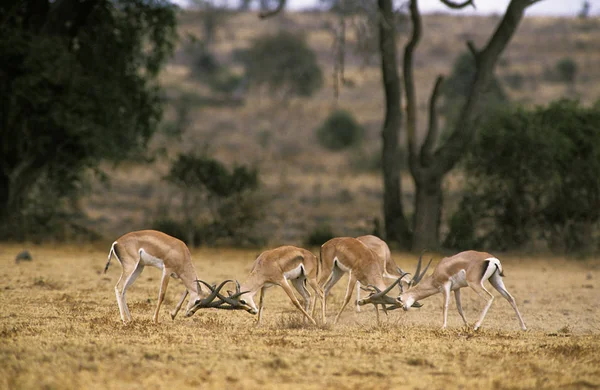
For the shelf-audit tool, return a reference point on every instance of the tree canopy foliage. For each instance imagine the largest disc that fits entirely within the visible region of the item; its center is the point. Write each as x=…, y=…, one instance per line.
x=77, y=85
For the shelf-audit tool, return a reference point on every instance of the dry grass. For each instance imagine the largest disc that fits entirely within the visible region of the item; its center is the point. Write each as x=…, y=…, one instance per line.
x=60, y=328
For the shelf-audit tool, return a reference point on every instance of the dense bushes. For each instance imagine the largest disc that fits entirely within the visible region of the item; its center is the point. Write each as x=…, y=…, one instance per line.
x=532, y=175
x=218, y=203
x=339, y=131
x=283, y=62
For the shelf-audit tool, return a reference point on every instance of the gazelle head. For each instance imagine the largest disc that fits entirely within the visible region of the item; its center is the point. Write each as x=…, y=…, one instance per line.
x=406, y=300
x=379, y=297
x=231, y=302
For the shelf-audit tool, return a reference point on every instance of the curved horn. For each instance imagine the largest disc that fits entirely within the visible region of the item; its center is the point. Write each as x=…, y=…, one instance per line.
x=214, y=290
x=418, y=278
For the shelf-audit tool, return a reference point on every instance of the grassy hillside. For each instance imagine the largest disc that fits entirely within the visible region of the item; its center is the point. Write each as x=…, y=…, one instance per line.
x=305, y=185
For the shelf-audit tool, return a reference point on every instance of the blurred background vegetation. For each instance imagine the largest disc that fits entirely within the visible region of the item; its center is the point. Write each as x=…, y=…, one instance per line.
x=223, y=129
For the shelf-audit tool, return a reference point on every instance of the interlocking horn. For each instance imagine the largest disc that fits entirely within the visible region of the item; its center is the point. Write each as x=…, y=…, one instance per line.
x=214, y=291
x=418, y=274
x=231, y=300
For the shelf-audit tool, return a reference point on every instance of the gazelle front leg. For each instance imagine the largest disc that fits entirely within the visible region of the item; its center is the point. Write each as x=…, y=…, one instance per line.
x=161, y=294
x=178, y=307
x=261, y=300
x=459, y=306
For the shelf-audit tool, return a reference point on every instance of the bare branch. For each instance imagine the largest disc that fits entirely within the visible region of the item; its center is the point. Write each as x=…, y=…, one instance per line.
x=464, y=128
x=473, y=50
x=453, y=5
x=432, y=131
x=273, y=12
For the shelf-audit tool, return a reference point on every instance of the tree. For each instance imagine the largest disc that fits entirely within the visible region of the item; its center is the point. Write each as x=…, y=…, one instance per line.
x=429, y=164
x=77, y=85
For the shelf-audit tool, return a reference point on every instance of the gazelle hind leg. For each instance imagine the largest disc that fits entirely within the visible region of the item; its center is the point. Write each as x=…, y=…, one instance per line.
x=300, y=286
x=496, y=281
x=459, y=306
x=118, y=295
x=178, y=307
x=357, y=296
x=161, y=293
x=128, y=282
x=318, y=294
x=288, y=290
x=482, y=292
x=334, y=277
x=351, y=283
x=446, y=294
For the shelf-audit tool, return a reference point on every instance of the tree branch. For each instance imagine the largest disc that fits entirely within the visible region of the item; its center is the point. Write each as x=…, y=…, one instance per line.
x=453, y=5
x=432, y=131
x=409, y=83
x=473, y=50
x=273, y=12
x=464, y=128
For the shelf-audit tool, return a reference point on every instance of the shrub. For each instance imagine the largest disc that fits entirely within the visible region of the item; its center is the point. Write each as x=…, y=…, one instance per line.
x=456, y=89
x=566, y=70
x=320, y=235
x=218, y=202
x=533, y=175
x=283, y=62
x=339, y=131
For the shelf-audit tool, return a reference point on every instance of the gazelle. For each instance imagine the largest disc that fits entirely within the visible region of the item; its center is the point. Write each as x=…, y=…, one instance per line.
x=135, y=250
x=390, y=269
x=469, y=268
x=280, y=267
x=349, y=255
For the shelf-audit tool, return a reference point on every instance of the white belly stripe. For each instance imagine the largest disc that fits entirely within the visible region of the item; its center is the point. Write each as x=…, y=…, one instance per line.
x=295, y=273
x=340, y=265
x=148, y=259
x=458, y=280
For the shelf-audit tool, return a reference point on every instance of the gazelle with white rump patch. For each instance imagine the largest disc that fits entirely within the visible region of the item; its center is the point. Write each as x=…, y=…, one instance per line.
x=138, y=249
x=280, y=267
x=469, y=268
x=342, y=255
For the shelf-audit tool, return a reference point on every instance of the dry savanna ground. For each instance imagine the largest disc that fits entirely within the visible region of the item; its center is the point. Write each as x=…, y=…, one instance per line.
x=60, y=329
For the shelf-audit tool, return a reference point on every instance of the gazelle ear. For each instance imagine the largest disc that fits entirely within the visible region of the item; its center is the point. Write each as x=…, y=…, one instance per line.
x=230, y=292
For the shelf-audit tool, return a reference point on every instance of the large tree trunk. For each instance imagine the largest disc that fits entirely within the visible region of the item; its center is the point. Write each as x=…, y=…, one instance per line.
x=429, y=166
x=428, y=213
x=396, y=228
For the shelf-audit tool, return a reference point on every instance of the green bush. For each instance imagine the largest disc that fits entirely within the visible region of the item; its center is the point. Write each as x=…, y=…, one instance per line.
x=319, y=235
x=339, y=131
x=566, y=70
x=455, y=90
x=532, y=175
x=218, y=202
x=283, y=62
